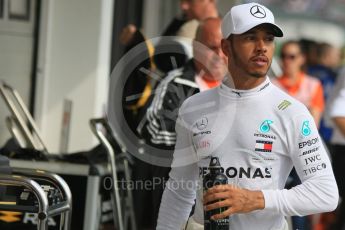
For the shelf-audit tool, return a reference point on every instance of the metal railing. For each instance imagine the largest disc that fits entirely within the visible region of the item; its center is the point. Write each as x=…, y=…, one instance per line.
x=21, y=121
x=27, y=178
x=43, y=207
x=122, y=211
x=64, y=208
x=23, y=128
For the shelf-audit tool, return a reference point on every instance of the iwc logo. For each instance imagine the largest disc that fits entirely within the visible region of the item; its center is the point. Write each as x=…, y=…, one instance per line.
x=258, y=12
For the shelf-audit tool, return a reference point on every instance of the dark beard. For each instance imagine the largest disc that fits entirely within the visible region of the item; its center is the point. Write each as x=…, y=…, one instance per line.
x=257, y=75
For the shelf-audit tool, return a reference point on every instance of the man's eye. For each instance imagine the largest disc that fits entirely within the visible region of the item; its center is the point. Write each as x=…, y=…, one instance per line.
x=270, y=38
x=250, y=38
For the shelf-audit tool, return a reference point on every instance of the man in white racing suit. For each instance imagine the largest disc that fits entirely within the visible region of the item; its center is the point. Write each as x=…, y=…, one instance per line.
x=258, y=133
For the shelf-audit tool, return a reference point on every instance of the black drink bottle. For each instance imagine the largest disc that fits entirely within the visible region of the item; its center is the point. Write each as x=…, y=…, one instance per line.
x=215, y=177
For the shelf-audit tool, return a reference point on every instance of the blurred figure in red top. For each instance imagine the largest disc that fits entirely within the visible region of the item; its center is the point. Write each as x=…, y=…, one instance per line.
x=298, y=84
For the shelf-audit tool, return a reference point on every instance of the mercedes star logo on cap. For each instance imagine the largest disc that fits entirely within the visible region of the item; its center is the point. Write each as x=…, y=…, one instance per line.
x=258, y=11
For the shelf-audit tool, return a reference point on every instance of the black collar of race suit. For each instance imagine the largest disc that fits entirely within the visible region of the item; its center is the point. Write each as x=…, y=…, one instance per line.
x=227, y=88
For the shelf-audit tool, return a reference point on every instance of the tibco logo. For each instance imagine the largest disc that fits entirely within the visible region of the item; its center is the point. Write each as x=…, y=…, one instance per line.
x=314, y=169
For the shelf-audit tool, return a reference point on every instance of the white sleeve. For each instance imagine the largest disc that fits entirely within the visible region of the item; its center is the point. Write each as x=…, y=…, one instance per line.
x=318, y=192
x=180, y=191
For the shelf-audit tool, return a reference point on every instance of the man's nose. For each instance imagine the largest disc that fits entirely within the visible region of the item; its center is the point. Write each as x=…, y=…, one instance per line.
x=261, y=45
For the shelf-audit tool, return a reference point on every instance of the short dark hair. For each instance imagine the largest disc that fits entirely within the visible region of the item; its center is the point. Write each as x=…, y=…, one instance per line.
x=293, y=42
x=323, y=48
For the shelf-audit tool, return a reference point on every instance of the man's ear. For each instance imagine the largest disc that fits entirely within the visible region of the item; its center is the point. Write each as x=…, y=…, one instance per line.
x=226, y=47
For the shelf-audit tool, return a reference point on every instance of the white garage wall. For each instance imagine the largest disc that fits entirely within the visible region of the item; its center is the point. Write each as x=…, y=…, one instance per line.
x=16, y=43
x=74, y=63
x=165, y=11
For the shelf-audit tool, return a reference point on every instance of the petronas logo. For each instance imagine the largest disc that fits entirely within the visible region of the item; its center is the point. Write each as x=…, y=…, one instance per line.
x=306, y=131
x=265, y=126
x=284, y=104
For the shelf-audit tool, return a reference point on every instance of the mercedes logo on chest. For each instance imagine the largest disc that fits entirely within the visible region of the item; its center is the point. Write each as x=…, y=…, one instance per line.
x=257, y=11
x=202, y=124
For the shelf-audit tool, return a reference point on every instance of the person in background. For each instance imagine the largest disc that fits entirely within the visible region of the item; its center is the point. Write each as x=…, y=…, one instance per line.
x=310, y=48
x=336, y=112
x=138, y=82
x=193, y=12
x=304, y=88
x=160, y=61
x=297, y=83
x=183, y=25
x=204, y=71
x=326, y=71
x=324, y=60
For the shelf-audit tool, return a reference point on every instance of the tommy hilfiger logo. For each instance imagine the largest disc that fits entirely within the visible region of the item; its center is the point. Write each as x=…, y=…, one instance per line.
x=263, y=146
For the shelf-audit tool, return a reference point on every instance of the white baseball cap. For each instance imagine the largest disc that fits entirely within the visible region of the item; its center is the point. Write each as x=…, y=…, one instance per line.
x=242, y=18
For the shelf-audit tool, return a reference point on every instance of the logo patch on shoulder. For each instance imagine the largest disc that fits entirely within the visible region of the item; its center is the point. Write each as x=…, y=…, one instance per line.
x=284, y=104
